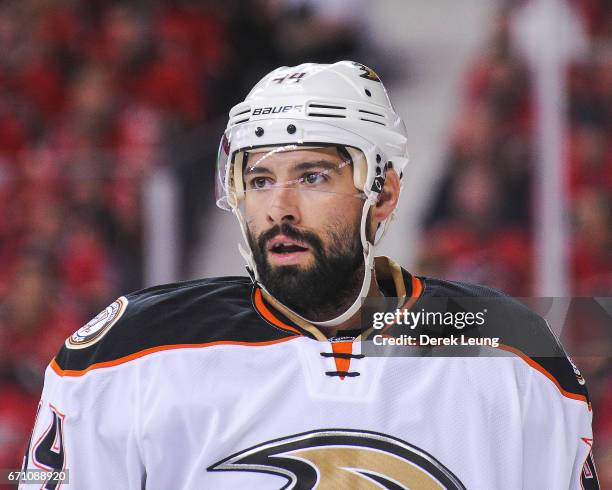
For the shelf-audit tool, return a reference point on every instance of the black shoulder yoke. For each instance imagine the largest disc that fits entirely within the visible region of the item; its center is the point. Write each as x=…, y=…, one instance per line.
x=196, y=312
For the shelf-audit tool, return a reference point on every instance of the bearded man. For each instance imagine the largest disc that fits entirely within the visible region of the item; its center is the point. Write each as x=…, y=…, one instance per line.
x=267, y=381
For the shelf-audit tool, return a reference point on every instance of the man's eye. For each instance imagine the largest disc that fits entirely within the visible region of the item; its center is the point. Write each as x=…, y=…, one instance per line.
x=259, y=183
x=315, y=178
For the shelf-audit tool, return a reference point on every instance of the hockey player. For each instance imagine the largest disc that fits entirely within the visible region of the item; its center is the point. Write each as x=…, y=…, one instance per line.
x=265, y=382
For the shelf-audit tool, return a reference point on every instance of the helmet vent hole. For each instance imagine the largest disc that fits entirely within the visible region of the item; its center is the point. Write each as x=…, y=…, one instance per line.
x=317, y=114
x=259, y=132
x=291, y=129
x=325, y=110
x=370, y=120
x=327, y=106
x=372, y=113
x=368, y=93
x=241, y=117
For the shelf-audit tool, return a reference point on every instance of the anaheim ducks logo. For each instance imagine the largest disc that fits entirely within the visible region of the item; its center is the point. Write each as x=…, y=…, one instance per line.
x=368, y=73
x=334, y=459
x=96, y=328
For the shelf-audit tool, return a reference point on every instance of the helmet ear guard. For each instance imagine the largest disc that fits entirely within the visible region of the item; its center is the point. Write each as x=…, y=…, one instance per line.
x=360, y=167
x=238, y=181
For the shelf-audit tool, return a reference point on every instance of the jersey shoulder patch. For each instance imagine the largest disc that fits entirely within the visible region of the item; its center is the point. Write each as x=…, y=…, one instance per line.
x=189, y=314
x=96, y=328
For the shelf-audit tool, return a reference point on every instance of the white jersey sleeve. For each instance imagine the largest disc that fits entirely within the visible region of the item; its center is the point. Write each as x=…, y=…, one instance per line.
x=86, y=429
x=99, y=447
x=557, y=437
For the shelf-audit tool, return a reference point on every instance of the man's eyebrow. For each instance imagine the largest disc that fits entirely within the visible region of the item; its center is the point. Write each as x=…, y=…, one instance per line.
x=300, y=167
x=325, y=164
x=256, y=169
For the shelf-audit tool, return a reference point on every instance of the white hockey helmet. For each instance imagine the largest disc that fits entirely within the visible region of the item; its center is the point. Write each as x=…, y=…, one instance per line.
x=312, y=105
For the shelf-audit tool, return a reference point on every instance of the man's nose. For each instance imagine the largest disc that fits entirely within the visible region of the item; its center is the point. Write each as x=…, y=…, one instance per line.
x=284, y=206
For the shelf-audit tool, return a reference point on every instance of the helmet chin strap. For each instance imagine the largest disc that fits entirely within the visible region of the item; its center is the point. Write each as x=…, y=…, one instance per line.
x=368, y=260
x=246, y=252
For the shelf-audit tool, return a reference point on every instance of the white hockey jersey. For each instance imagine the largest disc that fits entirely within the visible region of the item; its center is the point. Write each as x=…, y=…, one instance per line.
x=204, y=385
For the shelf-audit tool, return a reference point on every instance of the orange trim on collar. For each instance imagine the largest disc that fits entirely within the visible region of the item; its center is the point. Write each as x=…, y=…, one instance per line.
x=265, y=312
x=417, y=287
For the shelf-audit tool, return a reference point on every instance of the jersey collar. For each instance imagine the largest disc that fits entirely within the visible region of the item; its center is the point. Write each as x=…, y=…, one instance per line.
x=391, y=278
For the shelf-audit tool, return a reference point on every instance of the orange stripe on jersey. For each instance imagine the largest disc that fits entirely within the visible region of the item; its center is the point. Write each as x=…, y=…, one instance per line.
x=122, y=360
x=417, y=287
x=536, y=366
x=342, y=348
x=268, y=315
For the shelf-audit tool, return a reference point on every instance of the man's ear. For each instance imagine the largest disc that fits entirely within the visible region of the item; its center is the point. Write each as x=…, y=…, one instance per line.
x=387, y=200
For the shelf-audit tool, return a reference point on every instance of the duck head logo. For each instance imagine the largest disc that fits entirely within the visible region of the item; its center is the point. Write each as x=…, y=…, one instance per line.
x=368, y=73
x=337, y=458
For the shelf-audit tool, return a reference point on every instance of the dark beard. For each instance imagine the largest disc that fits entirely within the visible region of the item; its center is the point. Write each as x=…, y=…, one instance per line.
x=324, y=290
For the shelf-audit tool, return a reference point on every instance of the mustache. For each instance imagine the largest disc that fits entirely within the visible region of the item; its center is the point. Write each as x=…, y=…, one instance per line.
x=291, y=232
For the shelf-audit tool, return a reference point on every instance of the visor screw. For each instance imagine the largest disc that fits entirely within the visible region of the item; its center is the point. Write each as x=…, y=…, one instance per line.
x=291, y=129
x=368, y=93
x=259, y=132
x=378, y=158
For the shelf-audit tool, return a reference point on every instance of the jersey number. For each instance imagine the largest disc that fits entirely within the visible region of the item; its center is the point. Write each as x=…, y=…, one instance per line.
x=48, y=451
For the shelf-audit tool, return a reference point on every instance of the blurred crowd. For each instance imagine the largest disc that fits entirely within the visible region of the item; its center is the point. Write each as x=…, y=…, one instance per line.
x=93, y=97
x=96, y=95
x=480, y=226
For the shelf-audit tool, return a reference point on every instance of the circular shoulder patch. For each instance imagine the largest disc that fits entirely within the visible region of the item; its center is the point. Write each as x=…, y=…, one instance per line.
x=95, y=329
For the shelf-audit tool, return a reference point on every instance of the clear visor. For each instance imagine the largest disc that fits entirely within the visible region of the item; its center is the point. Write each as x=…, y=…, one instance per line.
x=256, y=174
